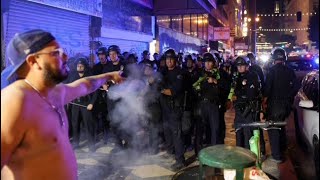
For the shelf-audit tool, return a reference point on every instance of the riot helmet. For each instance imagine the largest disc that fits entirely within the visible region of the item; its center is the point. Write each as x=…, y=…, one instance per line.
x=209, y=57
x=83, y=61
x=114, y=48
x=242, y=60
x=251, y=56
x=102, y=50
x=170, y=53
x=278, y=54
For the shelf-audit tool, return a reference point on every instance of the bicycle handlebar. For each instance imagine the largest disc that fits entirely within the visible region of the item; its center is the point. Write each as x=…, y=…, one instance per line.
x=264, y=125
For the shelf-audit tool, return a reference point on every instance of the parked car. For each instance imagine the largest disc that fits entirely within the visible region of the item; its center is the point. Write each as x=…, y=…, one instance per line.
x=306, y=115
x=302, y=65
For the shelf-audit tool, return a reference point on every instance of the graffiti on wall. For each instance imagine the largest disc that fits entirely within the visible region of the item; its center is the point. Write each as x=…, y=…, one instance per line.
x=73, y=41
x=92, y=7
x=127, y=15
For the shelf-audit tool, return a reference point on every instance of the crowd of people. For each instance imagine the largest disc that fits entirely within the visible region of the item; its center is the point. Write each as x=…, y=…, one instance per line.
x=188, y=96
x=184, y=102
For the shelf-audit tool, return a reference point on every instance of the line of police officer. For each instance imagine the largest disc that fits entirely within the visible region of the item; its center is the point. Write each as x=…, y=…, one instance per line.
x=205, y=93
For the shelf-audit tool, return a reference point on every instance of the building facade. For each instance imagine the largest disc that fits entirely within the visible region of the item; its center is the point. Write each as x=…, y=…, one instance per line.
x=307, y=8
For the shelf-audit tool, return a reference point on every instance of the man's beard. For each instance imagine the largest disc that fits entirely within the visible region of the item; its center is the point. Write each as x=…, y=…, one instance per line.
x=54, y=76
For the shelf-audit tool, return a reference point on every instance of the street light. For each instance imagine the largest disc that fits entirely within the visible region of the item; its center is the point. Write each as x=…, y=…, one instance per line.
x=249, y=19
x=257, y=19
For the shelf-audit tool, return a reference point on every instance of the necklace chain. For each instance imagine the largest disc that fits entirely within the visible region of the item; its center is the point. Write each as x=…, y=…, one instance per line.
x=62, y=122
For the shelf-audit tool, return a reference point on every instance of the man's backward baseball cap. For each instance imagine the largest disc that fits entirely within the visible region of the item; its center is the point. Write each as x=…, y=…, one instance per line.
x=24, y=44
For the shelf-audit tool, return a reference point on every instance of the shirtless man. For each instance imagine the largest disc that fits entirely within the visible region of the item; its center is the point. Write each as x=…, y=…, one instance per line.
x=34, y=127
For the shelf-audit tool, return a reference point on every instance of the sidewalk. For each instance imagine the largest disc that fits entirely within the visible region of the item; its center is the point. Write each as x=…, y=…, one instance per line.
x=281, y=171
x=131, y=165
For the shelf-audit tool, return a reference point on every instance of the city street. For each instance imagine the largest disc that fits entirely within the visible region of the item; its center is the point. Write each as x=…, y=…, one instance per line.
x=128, y=164
x=138, y=68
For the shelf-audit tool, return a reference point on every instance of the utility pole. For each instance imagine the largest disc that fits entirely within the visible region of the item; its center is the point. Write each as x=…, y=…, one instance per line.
x=253, y=25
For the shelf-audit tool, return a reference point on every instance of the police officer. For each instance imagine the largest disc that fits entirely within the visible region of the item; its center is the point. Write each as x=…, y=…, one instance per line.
x=245, y=95
x=145, y=58
x=100, y=106
x=199, y=62
x=82, y=108
x=191, y=75
x=224, y=89
x=152, y=97
x=171, y=103
x=254, y=67
x=209, y=102
x=115, y=65
x=114, y=55
x=280, y=88
x=102, y=54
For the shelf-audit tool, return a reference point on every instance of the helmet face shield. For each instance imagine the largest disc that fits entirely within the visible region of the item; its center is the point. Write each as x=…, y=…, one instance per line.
x=114, y=48
x=209, y=57
x=242, y=60
x=278, y=54
x=170, y=53
x=102, y=50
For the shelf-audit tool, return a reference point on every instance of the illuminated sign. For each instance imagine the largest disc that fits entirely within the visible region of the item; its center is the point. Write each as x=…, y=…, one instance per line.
x=92, y=7
x=221, y=33
x=146, y=3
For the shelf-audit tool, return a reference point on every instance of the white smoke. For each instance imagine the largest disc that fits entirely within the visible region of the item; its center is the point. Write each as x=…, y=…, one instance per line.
x=130, y=113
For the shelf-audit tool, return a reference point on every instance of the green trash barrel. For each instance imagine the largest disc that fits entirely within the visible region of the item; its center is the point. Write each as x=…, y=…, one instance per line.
x=226, y=157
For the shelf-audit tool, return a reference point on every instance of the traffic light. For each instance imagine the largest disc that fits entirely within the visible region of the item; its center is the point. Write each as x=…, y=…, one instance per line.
x=299, y=16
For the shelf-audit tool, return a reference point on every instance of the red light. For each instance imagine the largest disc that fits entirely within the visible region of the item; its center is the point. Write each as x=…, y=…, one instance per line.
x=308, y=55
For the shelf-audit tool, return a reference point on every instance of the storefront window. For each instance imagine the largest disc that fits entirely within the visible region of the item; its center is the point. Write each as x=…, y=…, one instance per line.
x=200, y=26
x=163, y=21
x=194, y=27
x=205, y=27
x=177, y=23
x=186, y=24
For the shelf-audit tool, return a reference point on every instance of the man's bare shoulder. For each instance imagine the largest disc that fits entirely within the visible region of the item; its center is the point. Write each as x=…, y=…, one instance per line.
x=13, y=92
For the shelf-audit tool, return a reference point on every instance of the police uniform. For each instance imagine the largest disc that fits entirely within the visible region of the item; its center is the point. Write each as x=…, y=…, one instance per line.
x=120, y=135
x=81, y=113
x=172, y=110
x=100, y=107
x=246, y=89
x=281, y=87
x=224, y=85
x=191, y=75
x=152, y=95
x=256, y=68
x=209, y=105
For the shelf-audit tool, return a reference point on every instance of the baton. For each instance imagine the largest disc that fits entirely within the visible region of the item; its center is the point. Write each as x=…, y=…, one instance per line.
x=78, y=104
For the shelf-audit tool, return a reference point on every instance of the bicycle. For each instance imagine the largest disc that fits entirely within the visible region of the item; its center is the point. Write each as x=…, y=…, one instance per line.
x=255, y=139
